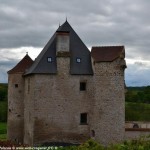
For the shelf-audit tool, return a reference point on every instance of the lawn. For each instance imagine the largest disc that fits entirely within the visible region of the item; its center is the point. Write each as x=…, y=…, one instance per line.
x=3, y=111
x=137, y=111
x=3, y=130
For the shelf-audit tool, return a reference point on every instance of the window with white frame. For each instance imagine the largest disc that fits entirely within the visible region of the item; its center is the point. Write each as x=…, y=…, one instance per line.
x=49, y=59
x=78, y=60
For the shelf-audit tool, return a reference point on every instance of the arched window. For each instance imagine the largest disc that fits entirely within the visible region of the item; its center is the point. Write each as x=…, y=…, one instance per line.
x=135, y=125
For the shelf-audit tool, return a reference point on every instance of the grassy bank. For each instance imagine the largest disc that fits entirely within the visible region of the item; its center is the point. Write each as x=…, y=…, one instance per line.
x=3, y=111
x=3, y=130
x=137, y=111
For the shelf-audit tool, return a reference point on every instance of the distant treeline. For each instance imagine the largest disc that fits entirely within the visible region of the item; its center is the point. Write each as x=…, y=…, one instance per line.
x=3, y=102
x=3, y=91
x=138, y=94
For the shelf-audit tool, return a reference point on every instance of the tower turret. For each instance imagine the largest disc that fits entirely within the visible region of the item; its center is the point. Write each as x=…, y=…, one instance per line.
x=16, y=100
x=108, y=107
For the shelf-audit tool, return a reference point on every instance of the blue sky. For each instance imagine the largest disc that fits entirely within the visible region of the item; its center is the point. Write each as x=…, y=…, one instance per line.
x=26, y=26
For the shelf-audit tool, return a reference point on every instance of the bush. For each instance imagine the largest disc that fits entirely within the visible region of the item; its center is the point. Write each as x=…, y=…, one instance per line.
x=89, y=145
x=140, y=144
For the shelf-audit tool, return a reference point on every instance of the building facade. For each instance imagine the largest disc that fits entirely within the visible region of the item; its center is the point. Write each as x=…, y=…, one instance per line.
x=68, y=94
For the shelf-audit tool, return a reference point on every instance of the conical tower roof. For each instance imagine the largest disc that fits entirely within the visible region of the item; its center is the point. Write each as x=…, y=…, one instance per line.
x=21, y=67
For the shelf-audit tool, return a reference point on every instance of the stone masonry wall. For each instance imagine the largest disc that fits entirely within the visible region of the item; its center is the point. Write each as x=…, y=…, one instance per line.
x=136, y=134
x=29, y=105
x=108, y=107
x=15, y=107
x=58, y=103
x=53, y=104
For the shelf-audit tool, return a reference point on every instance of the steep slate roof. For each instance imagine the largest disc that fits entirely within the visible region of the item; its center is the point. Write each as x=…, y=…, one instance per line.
x=77, y=50
x=21, y=67
x=40, y=64
x=106, y=53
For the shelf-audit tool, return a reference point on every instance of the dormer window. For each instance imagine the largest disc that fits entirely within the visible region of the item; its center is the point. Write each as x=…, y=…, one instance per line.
x=49, y=59
x=78, y=60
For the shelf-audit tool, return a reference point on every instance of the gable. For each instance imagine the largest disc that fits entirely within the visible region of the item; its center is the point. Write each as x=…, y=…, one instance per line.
x=77, y=49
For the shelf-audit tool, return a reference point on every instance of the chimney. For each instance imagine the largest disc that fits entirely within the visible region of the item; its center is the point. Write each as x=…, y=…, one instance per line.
x=63, y=42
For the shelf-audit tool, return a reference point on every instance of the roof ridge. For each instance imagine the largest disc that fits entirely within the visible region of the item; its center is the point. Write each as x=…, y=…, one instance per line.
x=109, y=46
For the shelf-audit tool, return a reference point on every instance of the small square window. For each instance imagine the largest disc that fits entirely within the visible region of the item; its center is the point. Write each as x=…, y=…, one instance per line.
x=78, y=60
x=49, y=59
x=16, y=85
x=82, y=86
x=83, y=118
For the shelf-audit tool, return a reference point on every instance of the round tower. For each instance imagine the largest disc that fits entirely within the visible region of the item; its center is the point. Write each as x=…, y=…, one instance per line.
x=15, y=119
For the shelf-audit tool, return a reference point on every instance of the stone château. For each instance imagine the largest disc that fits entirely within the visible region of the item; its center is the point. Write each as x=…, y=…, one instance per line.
x=68, y=94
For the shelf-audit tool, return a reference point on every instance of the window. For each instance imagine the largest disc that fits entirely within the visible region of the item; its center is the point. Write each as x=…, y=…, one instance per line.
x=83, y=118
x=82, y=86
x=16, y=85
x=49, y=59
x=78, y=60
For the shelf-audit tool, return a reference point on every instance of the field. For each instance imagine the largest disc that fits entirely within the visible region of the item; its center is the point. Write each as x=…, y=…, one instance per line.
x=3, y=130
x=3, y=111
x=137, y=111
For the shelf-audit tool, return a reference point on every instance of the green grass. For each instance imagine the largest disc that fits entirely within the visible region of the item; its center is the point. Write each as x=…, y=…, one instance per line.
x=3, y=130
x=3, y=137
x=3, y=111
x=137, y=111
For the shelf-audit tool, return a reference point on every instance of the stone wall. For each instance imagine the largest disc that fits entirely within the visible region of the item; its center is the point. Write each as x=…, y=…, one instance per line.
x=108, y=106
x=54, y=104
x=137, y=124
x=136, y=133
x=136, y=129
x=29, y=105
x=58, y=103
x=15, y=107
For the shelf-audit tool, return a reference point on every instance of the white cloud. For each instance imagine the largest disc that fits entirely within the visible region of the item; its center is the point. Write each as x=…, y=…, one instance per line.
x=28, y=25
x=137, y=73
